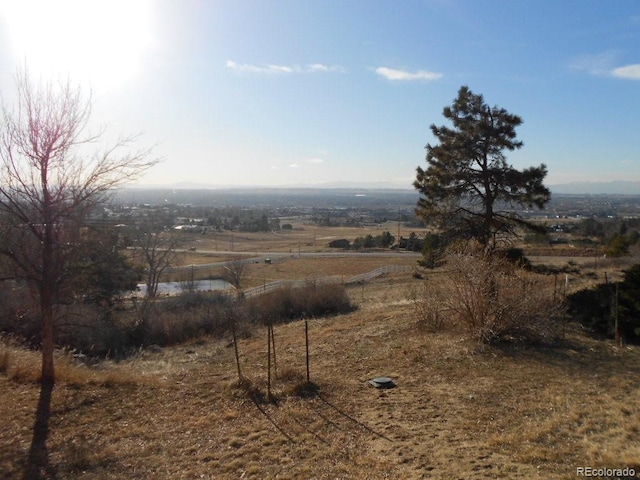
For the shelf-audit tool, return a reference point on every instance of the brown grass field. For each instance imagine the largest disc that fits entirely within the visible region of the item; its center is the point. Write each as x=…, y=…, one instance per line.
x=305, y=237
x=459, y=410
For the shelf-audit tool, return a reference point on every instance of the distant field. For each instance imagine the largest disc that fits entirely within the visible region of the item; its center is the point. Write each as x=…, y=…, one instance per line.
x=295, y=268
x=585, y=266
x=304, y=237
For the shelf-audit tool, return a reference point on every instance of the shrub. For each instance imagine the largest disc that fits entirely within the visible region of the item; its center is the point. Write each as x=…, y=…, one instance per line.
x=92, y=330
x=618, y=246
x=515, y=256
x=596, y=307
x=429, y=306
x=18, y=312
x=186, y=316
x=190, y=300
x=82, y=327
x=491, y=299
x=100, y=332
x=291, y=303
x=434, y=247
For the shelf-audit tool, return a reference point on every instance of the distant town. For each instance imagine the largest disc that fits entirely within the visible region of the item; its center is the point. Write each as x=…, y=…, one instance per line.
x=340, y=206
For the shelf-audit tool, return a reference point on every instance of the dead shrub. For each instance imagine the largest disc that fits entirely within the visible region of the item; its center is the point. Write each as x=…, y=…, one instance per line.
x=91, y=329
x=429, y=306
x=245, y=388
x=313, y=299
x=18, y=312
x=18, y=363
x=491, y=299
x=186, y=316
x=25, y=373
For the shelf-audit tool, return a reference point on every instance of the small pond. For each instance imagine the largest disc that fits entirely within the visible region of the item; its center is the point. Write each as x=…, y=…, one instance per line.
x=175, y=288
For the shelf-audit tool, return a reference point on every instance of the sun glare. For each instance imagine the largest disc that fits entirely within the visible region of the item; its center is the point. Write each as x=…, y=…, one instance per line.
x=97, y=41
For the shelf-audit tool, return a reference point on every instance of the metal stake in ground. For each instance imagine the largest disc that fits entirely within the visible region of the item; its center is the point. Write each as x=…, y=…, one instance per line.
x=235, y=346
x=306, y=341
x=273, y=349
x=268, y=363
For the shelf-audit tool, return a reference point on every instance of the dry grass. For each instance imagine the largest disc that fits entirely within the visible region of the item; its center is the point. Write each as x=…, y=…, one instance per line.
x=295, y=268
x=585, y=271
x=305, y=237
x=310, y=268
x=460, y=410
x=22, y=366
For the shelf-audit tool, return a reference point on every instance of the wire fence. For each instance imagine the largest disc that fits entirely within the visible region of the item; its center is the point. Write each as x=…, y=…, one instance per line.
x=362, y=278
x=205, y=267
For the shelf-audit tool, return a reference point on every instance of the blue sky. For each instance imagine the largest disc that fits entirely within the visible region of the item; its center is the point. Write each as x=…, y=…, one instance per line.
x=302, y=92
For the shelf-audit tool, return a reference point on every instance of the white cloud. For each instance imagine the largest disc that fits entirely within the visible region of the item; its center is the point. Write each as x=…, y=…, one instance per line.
x=599, y=64
x=401, y=75
x=284, y=69
x=314, y=161
x=280, y=69
x=602, y=65
x=319, y=67
x=294, y=165
x=631, y=72
x=244, y=67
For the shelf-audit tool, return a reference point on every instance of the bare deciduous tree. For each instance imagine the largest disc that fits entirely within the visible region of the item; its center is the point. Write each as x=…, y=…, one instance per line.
x=157, y=251
x=234, y=272
x=47, y=190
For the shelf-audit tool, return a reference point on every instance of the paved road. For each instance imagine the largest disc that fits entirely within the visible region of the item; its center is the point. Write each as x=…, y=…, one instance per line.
x=278, y=257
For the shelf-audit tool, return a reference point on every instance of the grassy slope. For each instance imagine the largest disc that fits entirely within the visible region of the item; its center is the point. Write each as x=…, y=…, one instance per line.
x=459, y=411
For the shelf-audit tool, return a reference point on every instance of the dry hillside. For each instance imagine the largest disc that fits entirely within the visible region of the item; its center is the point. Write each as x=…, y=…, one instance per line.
x=458, y=411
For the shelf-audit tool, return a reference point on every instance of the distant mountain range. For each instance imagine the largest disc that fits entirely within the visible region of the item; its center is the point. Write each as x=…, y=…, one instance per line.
x=313, y=186
x=620, y=187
